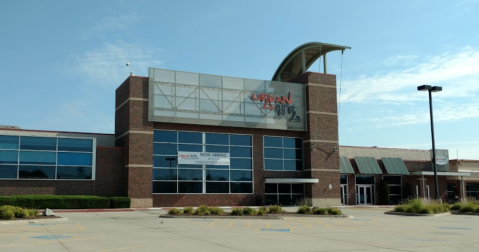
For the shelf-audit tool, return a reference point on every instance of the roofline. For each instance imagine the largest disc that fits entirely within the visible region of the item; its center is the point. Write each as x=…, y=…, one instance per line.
x=51, y=131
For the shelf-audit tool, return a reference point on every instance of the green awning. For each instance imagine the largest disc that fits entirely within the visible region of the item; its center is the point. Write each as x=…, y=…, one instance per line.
x=395, y=166
x=345, y=166
x=367, y=165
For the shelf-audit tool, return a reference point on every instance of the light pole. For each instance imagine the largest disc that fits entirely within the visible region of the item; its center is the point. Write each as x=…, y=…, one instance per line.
x=432, y=89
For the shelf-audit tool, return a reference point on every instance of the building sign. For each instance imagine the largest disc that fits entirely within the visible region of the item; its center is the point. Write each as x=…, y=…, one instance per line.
x=442, y=160
x=202, y=99
x=203, y=158
x=282, y=105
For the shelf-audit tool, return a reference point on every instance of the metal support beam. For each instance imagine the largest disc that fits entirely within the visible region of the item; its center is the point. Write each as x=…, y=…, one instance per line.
x=325, y=64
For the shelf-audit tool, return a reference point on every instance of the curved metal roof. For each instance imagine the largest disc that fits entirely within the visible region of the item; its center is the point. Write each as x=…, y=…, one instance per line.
x=301, y=58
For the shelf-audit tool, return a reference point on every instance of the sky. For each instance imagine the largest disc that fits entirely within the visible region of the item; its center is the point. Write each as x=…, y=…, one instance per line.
x=61, y=61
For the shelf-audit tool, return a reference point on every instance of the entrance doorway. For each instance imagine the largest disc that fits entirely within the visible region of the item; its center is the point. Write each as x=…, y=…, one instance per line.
x=364, y=194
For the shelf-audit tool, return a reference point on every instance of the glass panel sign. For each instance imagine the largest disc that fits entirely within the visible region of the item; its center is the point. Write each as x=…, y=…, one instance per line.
x=225, y=101
x=203, y=158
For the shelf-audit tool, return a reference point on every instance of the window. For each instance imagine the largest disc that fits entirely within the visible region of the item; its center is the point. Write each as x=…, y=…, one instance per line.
x=283, y=194
x=283, y=154
x=171, y=177
x=472, y=190
x=27, y=157
x=395, y=189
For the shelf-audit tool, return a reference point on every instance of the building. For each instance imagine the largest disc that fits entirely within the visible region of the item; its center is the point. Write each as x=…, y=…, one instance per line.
x=185, y=139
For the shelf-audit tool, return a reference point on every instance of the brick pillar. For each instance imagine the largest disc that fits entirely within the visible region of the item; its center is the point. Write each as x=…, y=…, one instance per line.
x=321, y=139
x=134, y=132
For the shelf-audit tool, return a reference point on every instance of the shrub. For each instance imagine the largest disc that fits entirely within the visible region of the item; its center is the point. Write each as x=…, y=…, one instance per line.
x=216, y=210
x=33, y=212
x=237, y=211
x=202, y=210
x=320, y=211
x=334, y=211
x=304, y=210
x=174, y=211
x=275, y=209
x=263, y=209
x=55, y=201
x=249, y=211
x=120, y=202
x=20, y=213
x=188, y=210
x=383, y=193
x=456, y=206
x=7, y=212
x=400, y=208
x=477, y=210
x=261, y=212
x=467, y=208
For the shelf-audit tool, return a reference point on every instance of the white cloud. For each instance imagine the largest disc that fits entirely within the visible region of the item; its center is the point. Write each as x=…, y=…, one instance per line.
x=107, y=65
x=458, y=71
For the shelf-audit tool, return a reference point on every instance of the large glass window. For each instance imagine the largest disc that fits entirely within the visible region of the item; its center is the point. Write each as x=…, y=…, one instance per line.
x=283, y=194
x=171, y=177
x=283, y=154
x=395, y=189
x=26, y=157
x=472, y=190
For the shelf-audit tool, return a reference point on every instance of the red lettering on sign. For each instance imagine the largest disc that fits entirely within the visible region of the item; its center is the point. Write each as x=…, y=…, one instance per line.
x=269, y=99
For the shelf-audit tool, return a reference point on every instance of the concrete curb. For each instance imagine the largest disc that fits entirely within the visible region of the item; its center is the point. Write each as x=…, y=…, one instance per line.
x=456, y=212
x=420, y=215
x=33, y=221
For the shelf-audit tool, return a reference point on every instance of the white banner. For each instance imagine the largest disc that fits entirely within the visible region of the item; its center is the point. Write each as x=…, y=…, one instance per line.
x=203, y=158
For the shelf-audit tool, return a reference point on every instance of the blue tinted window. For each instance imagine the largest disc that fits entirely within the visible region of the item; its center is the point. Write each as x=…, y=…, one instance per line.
x=165, y=136
x=271, y=164
x=8, y=157
x=273, y=142
x=187, y=174
x=72, y=158
x=164, y=161
x=217, y=175
x=217, y=187
x=36, y=172
x=74, y=172
x=164, y=187
x=241, y=176
x=273, y=153
x=9, y=142
x=190, y=147
x=190, y=137
x=238, y=187
x=68, y=144
x=165, y=149
x=221, y=139
x=240, y=152
x=213, y=148
x=243, y=140
x=38, y=143
x=190, y=187
x=240, y=163
x=37, y=157
x=293, y=165
x=8, y=171
x=165, y=174
x=292, y=154
x=292, y=143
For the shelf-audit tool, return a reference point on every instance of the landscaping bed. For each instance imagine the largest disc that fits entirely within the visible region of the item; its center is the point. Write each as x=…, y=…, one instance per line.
x=273, y=212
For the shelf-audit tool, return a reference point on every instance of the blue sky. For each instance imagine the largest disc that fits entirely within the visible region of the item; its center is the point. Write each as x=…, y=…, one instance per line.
x=61, y=61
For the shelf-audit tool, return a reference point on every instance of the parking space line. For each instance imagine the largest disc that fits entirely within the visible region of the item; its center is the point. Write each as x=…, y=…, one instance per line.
x=229, y=224
x=249, y=225
x=268, y=225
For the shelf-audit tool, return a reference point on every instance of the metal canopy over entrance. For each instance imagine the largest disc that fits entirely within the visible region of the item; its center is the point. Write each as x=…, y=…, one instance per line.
x=301, y=58
x=395, y=166
x=367, y=165
x=345, y=166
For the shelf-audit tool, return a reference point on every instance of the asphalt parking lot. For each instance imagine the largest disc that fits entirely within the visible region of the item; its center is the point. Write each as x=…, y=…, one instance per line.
x=369, y=229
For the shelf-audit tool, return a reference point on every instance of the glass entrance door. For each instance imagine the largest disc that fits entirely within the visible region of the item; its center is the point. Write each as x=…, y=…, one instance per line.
x=365, y=194
x=344, y=194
